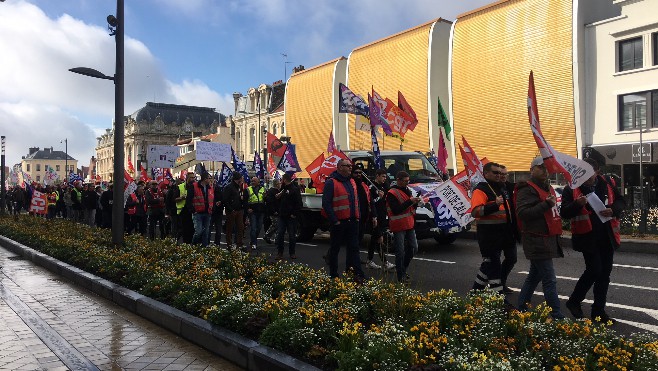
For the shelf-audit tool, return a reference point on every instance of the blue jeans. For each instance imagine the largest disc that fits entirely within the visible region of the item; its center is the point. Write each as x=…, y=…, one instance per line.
x=290, y=225
x=345, y=233
x=201, y=228
x=541, y=270
x=404, y=252
x=255, y=225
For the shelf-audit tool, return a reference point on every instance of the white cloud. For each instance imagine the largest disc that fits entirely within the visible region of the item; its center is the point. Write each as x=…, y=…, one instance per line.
x=199, y=94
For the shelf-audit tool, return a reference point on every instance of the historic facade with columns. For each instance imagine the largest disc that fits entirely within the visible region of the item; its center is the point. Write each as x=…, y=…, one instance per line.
x=156, y=124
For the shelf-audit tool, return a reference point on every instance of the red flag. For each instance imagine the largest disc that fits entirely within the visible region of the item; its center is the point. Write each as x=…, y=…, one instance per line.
x=275, y=148
x=442, y=157
x=472, y=156
x=398, y=120
x=313, y=171
x=131, y=168
x=575, y=171
x=143, y=175
x=331, y=146
x=402, y=103
x=271, y=168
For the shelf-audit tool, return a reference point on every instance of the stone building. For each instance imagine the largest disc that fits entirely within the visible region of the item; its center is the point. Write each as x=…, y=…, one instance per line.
x=258, y=112
x=37, y=161
x=156, y=124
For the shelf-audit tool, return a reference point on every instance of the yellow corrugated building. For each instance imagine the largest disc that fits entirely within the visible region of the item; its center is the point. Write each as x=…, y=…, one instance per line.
x=494, y=50
x=310, y=110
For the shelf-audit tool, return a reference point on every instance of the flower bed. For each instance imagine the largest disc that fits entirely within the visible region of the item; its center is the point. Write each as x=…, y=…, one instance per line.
x=335, y=324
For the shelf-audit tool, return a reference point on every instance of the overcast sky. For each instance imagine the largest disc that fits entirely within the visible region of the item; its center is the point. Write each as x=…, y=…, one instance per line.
x=194, y=52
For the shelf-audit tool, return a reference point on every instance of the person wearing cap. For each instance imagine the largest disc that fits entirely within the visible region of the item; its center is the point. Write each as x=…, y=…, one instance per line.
x=155, y=211
x=495, y=231
x=201, y=200
x=596, y=240
x=541, y=227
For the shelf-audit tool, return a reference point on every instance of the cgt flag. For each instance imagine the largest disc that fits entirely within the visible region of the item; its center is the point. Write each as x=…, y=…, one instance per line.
x=376, y=116
x=289, y=163
x=275, y=148
x=258, y=166
x=575, y=171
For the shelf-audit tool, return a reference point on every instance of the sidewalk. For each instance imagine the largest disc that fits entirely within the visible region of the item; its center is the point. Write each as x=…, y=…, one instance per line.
x=48, y=323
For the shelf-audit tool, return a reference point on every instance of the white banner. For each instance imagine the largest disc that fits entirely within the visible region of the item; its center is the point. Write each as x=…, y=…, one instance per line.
x=39, y=203
x=211, y=151
x=457, y=200
x=161, y=156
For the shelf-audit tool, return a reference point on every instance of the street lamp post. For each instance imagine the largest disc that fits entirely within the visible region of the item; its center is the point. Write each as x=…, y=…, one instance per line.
x=117, y=30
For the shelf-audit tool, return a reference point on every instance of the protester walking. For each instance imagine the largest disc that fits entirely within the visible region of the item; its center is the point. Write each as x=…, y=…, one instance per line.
x=290, y=204
x=509, y=251
x=255, y=196
x=155, y=211
x=541, y=228
x=401, y=210
x=596, y=236
x=495, y=231
x=380, y=222
x=340, y=205
x=233, y=200
x=202, y=200
x=272, y=210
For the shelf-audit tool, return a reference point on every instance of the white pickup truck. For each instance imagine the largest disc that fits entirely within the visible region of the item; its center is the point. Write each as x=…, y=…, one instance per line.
x=421, y=172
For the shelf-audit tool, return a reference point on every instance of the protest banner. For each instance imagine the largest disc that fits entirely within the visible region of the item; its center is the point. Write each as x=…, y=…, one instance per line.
x=211, y=151
x=160, y=156
x=39, y=203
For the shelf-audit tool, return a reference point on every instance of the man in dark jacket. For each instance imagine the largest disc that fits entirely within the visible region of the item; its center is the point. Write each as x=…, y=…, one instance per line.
x=401, y=222
x=542, y=226
x=509, y=251
x=340, y=204
x=380, y=221
x=106, y=205
x=217, y=212
x=596, y=240
x=155, y=211
x=290, y=204
x=272, y=210
x=234, y=206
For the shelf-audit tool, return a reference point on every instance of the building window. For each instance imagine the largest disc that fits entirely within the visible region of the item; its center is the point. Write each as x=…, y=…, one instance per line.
x=252, y=135
x=38, y=178
x=38, y=167
x=28, y=167
x=630, y=54
x=654, y=36
x=237, y=141
x=638, y=110
x=283, y=128
x=274, y=128
x=56, y=167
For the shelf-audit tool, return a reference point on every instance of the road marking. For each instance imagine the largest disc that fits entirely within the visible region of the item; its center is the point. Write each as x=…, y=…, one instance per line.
x=650, y=312
x=635, y=267
x=611, y=283
x=421, y=259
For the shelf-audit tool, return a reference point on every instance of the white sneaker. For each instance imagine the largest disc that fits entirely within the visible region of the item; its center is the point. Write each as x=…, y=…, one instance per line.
x=390, y=266
x=372, y=265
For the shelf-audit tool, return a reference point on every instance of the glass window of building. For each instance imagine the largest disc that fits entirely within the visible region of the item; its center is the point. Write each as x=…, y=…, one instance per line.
x=252, y=135
x=38, y=167
x=237, y=141
x=633, y=111
x=274, y=129
x=654, y=38
x=38, y=178
x=28, y=167
x=630, y=54
x=56, y=167
x=283, y=128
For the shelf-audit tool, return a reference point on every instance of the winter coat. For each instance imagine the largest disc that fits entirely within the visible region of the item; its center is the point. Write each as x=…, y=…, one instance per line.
x=530, y=210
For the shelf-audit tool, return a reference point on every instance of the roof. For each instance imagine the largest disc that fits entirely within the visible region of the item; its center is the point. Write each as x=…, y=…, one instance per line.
x=176, y=113
x=402, y=32
x=318, y=66
x=482, y=8
x=48, y=154
x=278, y=96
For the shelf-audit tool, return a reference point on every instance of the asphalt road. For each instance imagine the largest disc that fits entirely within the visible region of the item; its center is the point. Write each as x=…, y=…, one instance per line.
x=632, y=297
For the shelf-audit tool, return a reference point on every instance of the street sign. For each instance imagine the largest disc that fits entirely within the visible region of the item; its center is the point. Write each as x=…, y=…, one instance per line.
x=645, y=151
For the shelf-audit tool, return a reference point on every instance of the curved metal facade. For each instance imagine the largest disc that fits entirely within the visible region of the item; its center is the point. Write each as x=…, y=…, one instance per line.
x=494, y=50
x=399, y=62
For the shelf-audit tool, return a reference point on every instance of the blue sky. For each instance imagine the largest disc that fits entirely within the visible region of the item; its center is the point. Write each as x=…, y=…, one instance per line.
x=195, y=52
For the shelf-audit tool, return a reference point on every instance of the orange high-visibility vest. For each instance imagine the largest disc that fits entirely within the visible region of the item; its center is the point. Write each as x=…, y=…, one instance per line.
x=581, y=224
x=341, y=202
x=199, y=203
x=551, y=215
x=404, y=221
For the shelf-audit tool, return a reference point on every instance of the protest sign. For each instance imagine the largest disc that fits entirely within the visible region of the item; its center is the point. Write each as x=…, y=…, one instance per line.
x=211, y=151
x=161, y=156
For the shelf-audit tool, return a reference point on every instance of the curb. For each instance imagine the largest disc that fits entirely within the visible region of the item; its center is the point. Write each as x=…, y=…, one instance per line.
x=627, y=244
x=243, y=352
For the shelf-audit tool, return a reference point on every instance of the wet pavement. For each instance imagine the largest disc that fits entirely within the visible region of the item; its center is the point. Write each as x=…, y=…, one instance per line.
x=48, y=323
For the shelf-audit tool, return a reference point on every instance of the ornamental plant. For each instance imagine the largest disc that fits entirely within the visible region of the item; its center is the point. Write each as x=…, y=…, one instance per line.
x=334, y=323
